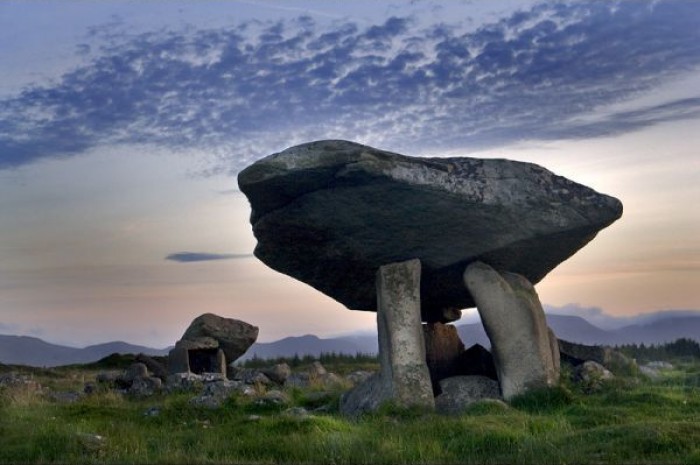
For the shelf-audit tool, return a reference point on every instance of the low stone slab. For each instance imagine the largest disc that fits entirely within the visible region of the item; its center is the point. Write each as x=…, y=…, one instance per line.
x=458, y=392
x=330, y=213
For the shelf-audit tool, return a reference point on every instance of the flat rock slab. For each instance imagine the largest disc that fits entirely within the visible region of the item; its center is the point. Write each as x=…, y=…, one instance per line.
x=330, y=213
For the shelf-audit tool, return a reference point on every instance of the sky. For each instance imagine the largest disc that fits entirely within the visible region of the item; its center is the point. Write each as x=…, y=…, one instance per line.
x=123, y=125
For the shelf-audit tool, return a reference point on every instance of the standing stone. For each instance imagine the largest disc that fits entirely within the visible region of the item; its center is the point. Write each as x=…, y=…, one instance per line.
x=401, y=344
x=515, y=323
x=403, y=377
x=443, y=349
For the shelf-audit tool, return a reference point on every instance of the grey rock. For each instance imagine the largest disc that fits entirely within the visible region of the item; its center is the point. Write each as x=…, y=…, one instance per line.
x=152, y=412
x=135, y=371
x=233, y=336
x=460, y=391
x=317, y=369
x=107, y=377
x=184, y=382
x=278, y=373
x=145, y=387
x=273, y=397
x=91, y=442
x=298, y=380
x=250, y=376
x=156, y=368
x=365, y=397
x=592, y=375
x=299, y=413
x=401, y=343
x=659, y=365
x=20, y=381
x=330, y=213
x=516, y=326
x=403, y=377
x=576, y=354
x=215, y=393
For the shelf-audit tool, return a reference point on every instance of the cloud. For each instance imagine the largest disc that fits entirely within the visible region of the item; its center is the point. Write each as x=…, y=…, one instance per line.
x=242, y=92
x=187, y=257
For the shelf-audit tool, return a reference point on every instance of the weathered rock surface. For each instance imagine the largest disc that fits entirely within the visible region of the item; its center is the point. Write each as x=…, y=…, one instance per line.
x=403, y=377
x=592, y=375
x=515, y=323
x=330, y=213
x=576, y=354
x=460, y=391
x=443, y=349
x=233, y=336
x=210, y=343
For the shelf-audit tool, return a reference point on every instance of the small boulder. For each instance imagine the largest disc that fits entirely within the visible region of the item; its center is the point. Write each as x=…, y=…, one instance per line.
x=277, y=373
x=145, y=387
x=273, y=397
x=460, y=391
x=357, y=377
x=592, y=375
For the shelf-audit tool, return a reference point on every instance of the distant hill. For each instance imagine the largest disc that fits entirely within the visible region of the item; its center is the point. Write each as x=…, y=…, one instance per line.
x=24, y=350
x=313, y=345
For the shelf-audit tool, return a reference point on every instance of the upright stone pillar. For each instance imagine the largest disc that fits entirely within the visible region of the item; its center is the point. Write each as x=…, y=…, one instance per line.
x=401, y=343
x=515, y=323
x=403, y=373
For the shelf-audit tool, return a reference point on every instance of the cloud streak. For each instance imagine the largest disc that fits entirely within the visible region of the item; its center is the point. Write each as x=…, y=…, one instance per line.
x=241, y=92
x=189, y=257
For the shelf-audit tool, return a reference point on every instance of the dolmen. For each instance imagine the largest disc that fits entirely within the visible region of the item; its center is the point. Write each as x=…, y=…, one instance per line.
x=419, y=239
x=210, y=344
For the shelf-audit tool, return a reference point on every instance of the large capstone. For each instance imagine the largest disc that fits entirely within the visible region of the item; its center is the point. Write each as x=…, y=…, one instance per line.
x=330, y=213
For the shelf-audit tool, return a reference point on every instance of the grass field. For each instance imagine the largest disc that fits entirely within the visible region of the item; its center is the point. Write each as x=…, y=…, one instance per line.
x=627, y=421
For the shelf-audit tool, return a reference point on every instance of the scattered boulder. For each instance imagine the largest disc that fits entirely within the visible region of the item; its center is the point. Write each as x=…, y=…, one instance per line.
x=460, y=391
x=515, y=323
x=145, y=387
x=317, y=369
x=310, y=205
x=158, y=369
x=249, y=376
x=592, y=375
x=19, y=381
x=215, y=393
x=277, y=373
x=273, y=397
x=365, y=397
x=576, y=354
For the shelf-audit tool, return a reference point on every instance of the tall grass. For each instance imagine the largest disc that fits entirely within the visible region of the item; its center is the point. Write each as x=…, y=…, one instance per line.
x=625, y=422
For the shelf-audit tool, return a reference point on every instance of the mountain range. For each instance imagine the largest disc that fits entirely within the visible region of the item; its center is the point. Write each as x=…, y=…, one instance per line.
x=24, y=350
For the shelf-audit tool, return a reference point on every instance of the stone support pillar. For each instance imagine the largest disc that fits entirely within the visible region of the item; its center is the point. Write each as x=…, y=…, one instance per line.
x=401, y=343
x=514, y=321
x=403, y=376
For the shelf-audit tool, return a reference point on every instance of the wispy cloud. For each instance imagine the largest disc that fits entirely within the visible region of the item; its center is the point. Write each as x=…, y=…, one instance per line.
x=242, y=92
x=187, y=257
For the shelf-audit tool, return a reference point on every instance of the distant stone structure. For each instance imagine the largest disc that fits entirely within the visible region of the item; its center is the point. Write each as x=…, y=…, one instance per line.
x=419, y=239
x=210, y=343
